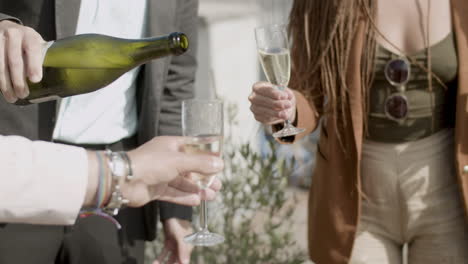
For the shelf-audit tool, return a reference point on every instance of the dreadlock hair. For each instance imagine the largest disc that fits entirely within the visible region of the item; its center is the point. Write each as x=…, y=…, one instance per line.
x=322, y=32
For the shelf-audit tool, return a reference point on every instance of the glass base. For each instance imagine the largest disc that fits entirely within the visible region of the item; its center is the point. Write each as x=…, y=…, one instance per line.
x=288, y=131
x=204, y=238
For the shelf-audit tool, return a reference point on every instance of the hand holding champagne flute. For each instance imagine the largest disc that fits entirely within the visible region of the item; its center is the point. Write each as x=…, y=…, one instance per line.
x=202, y=125
x=273, y=51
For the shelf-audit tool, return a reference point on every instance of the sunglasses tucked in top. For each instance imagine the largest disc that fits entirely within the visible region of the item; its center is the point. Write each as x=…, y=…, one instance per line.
x=400, y=101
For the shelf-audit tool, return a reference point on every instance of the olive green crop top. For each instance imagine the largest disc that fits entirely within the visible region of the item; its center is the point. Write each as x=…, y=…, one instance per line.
x=419, y=122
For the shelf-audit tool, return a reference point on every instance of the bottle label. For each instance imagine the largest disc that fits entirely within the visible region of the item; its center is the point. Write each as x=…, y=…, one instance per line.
x=44, y=99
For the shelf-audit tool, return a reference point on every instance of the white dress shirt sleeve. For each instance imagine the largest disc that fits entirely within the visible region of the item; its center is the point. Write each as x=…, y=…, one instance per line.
x=41, y=182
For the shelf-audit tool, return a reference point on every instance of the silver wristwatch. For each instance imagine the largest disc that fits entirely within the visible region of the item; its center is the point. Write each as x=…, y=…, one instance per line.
x=120, y=168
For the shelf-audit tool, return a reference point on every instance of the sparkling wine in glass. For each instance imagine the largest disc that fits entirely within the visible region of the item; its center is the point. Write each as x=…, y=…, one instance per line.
x=202, y=125
x=204, y=144
x=273, y=53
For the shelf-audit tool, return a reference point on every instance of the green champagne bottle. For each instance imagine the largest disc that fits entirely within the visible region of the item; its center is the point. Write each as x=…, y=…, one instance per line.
x=85, y=63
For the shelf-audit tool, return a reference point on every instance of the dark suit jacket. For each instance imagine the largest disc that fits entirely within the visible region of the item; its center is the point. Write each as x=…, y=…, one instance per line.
x=162, y=83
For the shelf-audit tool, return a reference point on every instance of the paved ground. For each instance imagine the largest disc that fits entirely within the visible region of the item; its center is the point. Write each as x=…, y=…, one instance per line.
x=300, y=217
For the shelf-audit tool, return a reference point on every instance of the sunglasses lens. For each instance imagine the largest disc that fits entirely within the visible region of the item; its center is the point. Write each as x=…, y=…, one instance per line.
x=397, y=72
x=396, y=106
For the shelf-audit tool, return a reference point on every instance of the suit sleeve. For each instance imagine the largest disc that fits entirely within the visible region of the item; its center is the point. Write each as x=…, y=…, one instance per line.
x=181, y=72
x=7, y=17
x=179, y=86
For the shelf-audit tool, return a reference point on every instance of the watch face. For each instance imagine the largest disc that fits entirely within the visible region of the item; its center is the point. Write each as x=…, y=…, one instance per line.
x=118, y=166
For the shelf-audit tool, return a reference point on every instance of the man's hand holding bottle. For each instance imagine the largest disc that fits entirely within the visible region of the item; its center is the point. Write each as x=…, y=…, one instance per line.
x=21, y=54
x=74, y=65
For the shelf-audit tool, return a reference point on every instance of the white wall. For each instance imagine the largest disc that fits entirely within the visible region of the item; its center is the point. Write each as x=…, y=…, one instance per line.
x=227, y=53
x=227, y=50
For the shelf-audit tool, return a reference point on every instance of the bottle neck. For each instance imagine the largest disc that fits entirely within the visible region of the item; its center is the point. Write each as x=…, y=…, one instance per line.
x=153, y=48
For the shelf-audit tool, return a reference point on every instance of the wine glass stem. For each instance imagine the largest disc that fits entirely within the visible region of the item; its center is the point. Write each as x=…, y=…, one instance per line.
x=287, y=123
x=281, y=87
x=203, y=215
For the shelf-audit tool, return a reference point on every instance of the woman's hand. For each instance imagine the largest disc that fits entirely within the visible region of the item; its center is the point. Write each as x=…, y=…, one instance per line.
x=161, y=168
x=21, y=55
x=270, y=105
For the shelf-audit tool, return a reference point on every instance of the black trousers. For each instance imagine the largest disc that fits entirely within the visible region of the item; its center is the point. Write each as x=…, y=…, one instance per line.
x=91, y=240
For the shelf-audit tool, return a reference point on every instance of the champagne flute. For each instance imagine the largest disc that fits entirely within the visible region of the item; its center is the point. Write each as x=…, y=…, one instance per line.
x=202, y=125
x=273, y=52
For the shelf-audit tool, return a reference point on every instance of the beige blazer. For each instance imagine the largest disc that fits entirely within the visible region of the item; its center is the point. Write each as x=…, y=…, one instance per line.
x=37, y=184
x=334, y=201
